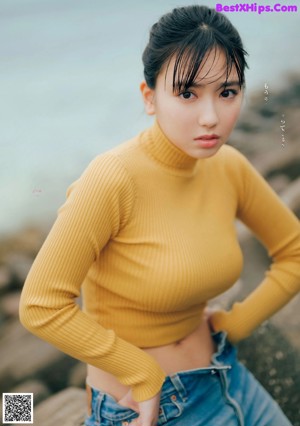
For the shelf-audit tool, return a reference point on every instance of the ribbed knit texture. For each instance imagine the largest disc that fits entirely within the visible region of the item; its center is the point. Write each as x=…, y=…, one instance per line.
x=149, y=234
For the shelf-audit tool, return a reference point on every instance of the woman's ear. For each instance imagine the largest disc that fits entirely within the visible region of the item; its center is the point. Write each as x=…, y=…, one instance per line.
x=148, y=98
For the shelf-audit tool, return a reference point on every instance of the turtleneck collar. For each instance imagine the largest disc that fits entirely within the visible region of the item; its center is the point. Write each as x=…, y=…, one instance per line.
x=161, y=149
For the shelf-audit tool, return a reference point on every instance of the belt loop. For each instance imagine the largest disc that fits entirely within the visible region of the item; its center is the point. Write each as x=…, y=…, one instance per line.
x=178, y=385
x=220, y=338
x=99, y=401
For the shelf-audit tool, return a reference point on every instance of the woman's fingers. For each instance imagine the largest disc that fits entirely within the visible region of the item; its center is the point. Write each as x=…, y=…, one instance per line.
x=148, y=410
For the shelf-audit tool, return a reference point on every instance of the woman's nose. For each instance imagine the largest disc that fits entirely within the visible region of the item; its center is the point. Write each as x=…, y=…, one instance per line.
x=208, y=116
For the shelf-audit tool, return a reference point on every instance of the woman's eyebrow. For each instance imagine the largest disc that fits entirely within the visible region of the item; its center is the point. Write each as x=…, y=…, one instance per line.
x=222, y=85
x=229, y=84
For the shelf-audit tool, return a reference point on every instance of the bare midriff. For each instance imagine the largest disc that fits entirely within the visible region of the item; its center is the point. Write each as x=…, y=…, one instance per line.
x=192, y=352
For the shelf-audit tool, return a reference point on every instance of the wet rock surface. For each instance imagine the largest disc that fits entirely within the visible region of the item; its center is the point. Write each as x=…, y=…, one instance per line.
x=274, y=361
x=271, y=353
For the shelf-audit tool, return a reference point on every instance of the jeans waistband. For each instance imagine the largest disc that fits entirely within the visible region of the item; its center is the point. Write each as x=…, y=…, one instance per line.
x=175, y=385
x=222, y=359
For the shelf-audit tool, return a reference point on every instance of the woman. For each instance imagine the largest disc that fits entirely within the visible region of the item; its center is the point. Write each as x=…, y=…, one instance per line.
x=148, y=231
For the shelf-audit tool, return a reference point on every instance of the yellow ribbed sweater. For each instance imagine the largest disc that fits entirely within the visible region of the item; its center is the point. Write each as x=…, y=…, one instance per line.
x=149, y=234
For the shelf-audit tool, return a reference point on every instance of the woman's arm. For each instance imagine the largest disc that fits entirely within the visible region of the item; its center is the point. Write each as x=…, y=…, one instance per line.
x=279, y=230
x=99, y=204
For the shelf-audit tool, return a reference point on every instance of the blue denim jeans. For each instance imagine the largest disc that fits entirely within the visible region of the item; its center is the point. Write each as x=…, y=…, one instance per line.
x=223, y=394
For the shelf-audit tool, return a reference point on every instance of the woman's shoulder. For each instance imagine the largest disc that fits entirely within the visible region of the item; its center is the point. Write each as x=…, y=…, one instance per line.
x=106, y=173
x=117, y=158
x=228, y=158
x=233, y=160
x=112, y=164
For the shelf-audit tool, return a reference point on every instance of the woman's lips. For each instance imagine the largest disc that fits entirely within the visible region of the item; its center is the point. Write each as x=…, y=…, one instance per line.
x=207, y=141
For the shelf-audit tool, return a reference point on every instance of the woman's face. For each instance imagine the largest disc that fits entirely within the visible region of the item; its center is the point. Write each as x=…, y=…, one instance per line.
x=200, y=119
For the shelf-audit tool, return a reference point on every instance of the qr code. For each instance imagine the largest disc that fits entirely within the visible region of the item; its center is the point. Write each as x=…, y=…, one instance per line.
x=17, y=408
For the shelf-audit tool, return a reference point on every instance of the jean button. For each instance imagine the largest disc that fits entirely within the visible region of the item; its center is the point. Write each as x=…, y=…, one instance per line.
x=213, y=372
x=173, y=397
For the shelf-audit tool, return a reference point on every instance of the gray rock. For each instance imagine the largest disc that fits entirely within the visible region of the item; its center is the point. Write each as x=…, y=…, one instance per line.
x=279, y=183
x=291, y=196
x=77, y=375
x=9, y=304
x=288, y=322
x=278, y=161
x=5, y=278
x=24, y=356
x=38, y=388
x=66, y=408
x=19, y=265
x=27, y=241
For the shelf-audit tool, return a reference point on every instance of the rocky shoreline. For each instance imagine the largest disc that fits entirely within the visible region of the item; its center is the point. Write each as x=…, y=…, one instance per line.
x=272, y=353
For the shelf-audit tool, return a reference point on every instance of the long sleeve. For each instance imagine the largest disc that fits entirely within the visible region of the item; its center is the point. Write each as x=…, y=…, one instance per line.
x=98, y=206
x=278, y=229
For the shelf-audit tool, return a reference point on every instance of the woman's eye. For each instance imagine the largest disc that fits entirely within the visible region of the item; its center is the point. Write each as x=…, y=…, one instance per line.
x=229, y=93
x=186, y=95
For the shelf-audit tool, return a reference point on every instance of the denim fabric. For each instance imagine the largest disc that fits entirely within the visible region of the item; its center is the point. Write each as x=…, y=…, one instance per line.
x=223, y=394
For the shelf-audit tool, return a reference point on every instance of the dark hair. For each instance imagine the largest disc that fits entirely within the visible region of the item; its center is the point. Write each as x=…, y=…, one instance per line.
x=189, y=34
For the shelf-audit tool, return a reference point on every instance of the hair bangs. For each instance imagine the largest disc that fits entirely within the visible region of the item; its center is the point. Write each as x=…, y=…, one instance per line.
x=193, y=54
x=235, y=57
x=188, y=35
x=190, y=59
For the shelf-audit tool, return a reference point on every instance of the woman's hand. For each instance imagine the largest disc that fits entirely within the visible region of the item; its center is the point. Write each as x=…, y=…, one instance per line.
x=148, y=410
